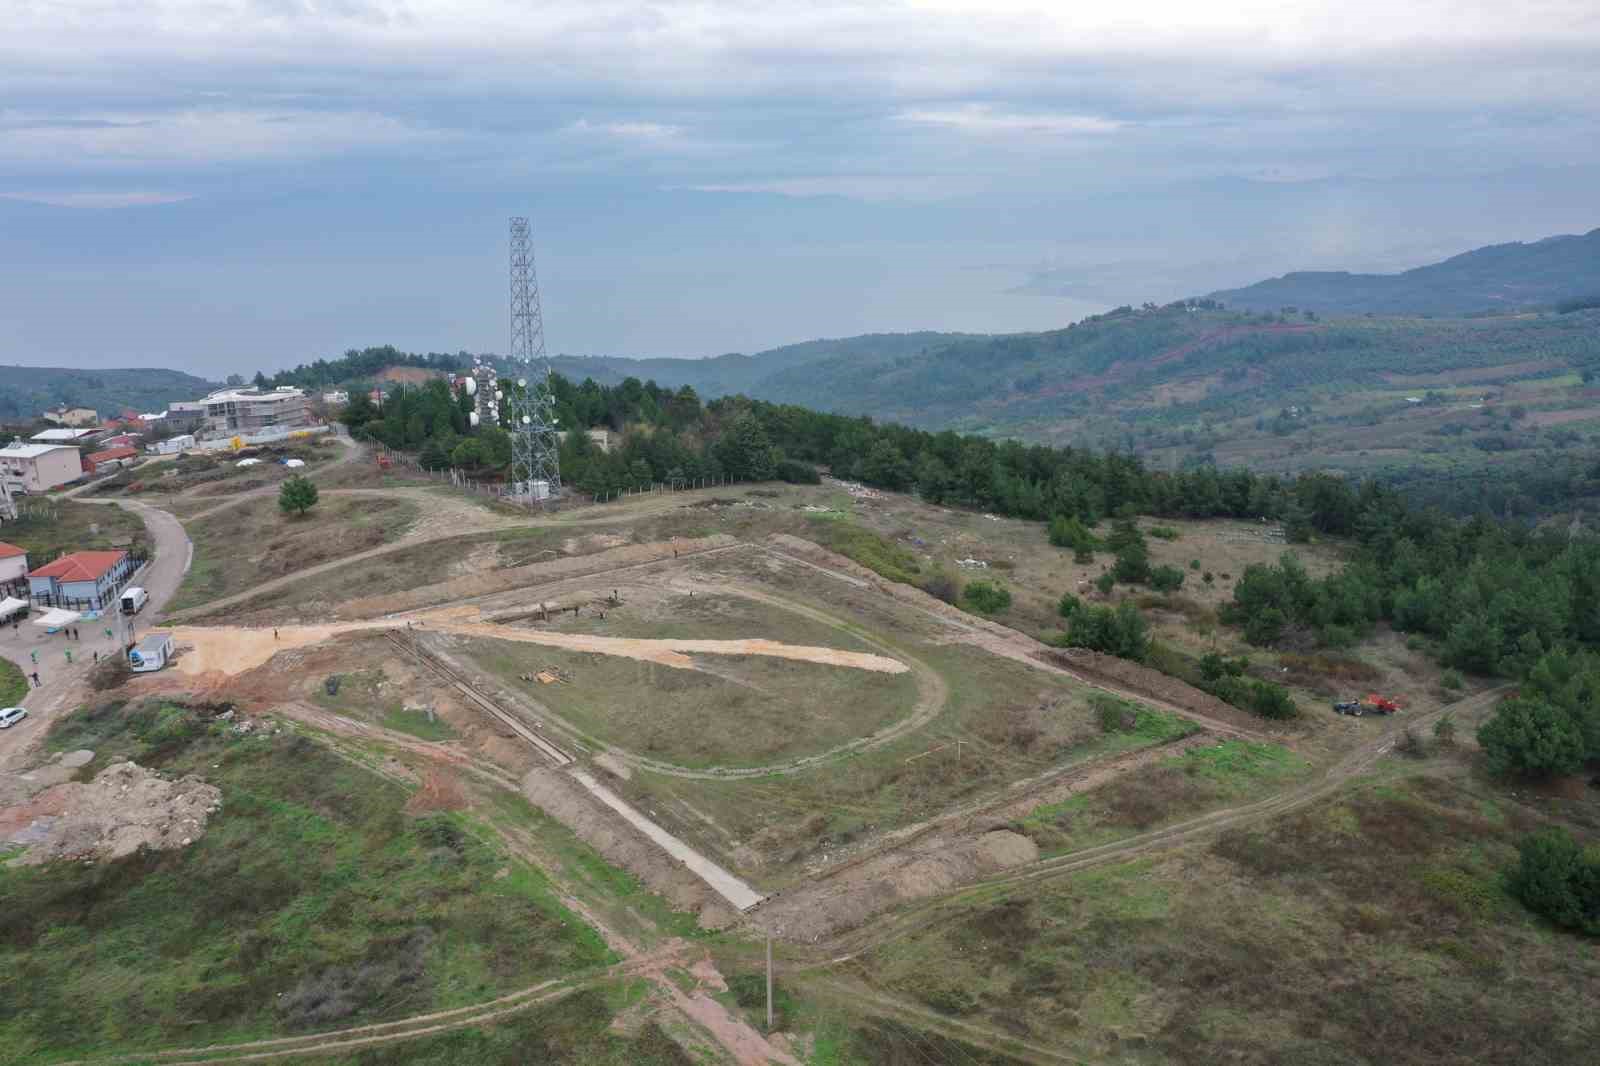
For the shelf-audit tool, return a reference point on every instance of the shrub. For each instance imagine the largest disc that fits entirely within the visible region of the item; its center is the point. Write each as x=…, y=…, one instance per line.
x=1166, y=578
x=986, y=597
x=1444, y=731
x=1532, y=737
x=1115, y=715
x=796, y=473
x=1450, y=679
x=1066, y=531
x=1069, y=605
x=1410, y=745
x=942, y=585
x=1559, y=880
x=1194, y=564
x=1164, y=533
x=1208, y=577
x=1105, y=583
x=1119, y=631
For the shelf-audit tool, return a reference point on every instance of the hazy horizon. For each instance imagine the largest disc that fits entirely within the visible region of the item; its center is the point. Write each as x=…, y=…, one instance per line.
x=259, y=183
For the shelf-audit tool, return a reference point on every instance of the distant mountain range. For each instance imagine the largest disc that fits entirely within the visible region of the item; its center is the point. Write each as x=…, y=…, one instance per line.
x=772, y=372
x=1501, y=277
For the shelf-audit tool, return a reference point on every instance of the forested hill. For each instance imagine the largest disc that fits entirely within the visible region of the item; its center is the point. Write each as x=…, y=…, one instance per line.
x=25, y=391
x=1501, y=277
x=767, y=373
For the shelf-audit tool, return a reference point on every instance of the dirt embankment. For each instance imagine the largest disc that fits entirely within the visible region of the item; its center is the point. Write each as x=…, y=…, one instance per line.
x=126, y=807
x=620, y=844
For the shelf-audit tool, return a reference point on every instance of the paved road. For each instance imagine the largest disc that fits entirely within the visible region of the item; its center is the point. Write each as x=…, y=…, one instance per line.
x=33, y=649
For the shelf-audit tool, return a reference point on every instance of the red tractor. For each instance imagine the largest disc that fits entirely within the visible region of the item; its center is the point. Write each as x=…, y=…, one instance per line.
x=1371, y=703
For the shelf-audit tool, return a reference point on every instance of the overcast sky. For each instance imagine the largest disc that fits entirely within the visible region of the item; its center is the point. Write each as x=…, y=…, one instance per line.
x=232, y=184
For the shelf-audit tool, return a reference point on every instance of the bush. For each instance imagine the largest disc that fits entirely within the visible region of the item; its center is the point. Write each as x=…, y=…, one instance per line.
x=1558, y=879
x=1450, y=680
x=1532, y=737
x=1119, y=631
x=1167, y=579
x=1410, y=745
x=796, y=473
x=1164, y=533
x=1105, y=583
x=1116, y=716
x=1208, y=577
x=986, y=597
x=1444, y=731
x=1194, y=564
x=1066, y=531
x=942, y=585
x=1069, y=605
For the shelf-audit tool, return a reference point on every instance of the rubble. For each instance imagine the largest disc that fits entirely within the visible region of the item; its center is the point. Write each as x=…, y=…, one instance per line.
x=125, y=808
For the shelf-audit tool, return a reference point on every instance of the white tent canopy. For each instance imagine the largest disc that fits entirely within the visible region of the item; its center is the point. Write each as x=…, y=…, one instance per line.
x=11, y=605
x=56, y=617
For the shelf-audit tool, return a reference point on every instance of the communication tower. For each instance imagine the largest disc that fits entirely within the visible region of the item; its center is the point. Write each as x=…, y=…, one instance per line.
x=528, y=410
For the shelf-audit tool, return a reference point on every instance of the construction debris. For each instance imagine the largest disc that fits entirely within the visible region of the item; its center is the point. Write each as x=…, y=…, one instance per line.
x=125, y=808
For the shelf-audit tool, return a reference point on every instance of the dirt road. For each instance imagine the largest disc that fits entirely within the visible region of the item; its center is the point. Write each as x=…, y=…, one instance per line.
x=231, y=650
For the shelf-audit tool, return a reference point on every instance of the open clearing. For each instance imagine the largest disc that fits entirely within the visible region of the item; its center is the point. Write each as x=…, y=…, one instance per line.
x=538, y=772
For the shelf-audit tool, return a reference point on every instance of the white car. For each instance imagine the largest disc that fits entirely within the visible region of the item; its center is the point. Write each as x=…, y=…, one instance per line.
x=11, y=716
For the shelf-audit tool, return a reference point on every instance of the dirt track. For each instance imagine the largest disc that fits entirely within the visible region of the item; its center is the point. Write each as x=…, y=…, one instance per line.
x=229, y=650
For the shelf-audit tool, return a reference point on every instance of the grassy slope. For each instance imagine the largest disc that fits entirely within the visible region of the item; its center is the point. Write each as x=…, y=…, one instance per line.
x=255, y=541
x=1370, y=929
x=311, y=902
x=27, y=390
x=13, y=683
x=45, y=528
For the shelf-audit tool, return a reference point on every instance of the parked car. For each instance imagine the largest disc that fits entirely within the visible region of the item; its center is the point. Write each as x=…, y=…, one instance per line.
x=11, y=716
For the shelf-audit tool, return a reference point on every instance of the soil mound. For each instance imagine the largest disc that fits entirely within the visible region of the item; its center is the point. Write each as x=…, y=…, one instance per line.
x=126, y=807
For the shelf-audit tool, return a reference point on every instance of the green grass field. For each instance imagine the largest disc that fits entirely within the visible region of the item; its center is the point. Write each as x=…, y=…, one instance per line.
x=1181, y=787
x=728, y=711
x=1011, y=721
x=1371, y=928
x=311, y=902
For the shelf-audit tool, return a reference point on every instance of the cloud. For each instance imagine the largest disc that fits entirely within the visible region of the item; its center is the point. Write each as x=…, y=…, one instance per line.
x=649, y=132
x=984, y=119
x=97, y=200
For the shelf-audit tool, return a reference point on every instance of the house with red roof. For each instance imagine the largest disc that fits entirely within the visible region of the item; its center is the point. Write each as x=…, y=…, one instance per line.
x=88, y=580
x=114, y=456
x=13, y=564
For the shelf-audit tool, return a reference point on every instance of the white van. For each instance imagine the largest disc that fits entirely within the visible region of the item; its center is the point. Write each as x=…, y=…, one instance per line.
x=152, y=653
x=134, y=599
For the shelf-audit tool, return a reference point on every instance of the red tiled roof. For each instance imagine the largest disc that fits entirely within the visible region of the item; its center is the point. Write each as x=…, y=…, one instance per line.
x=80, y=566
x=113, y=453
x=8, y=551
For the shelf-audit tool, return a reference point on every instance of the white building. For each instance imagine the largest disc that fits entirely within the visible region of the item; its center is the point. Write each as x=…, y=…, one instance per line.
x=336, y=398
x=64, y=436
x=72, y=416
x=39, y=467
x=13, y=564
x=239, y=411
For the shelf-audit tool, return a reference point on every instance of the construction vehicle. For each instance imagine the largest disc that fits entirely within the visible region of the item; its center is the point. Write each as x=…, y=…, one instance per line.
x=1371, y=703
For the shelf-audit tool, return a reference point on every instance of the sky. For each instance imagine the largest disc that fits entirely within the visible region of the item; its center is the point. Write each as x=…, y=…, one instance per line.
x=228, y=185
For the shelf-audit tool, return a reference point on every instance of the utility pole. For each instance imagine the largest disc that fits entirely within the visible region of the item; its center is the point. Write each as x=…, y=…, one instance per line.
x=769, y=982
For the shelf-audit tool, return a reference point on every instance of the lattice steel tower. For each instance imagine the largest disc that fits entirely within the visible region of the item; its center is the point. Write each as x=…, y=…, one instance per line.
x=535, y=440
